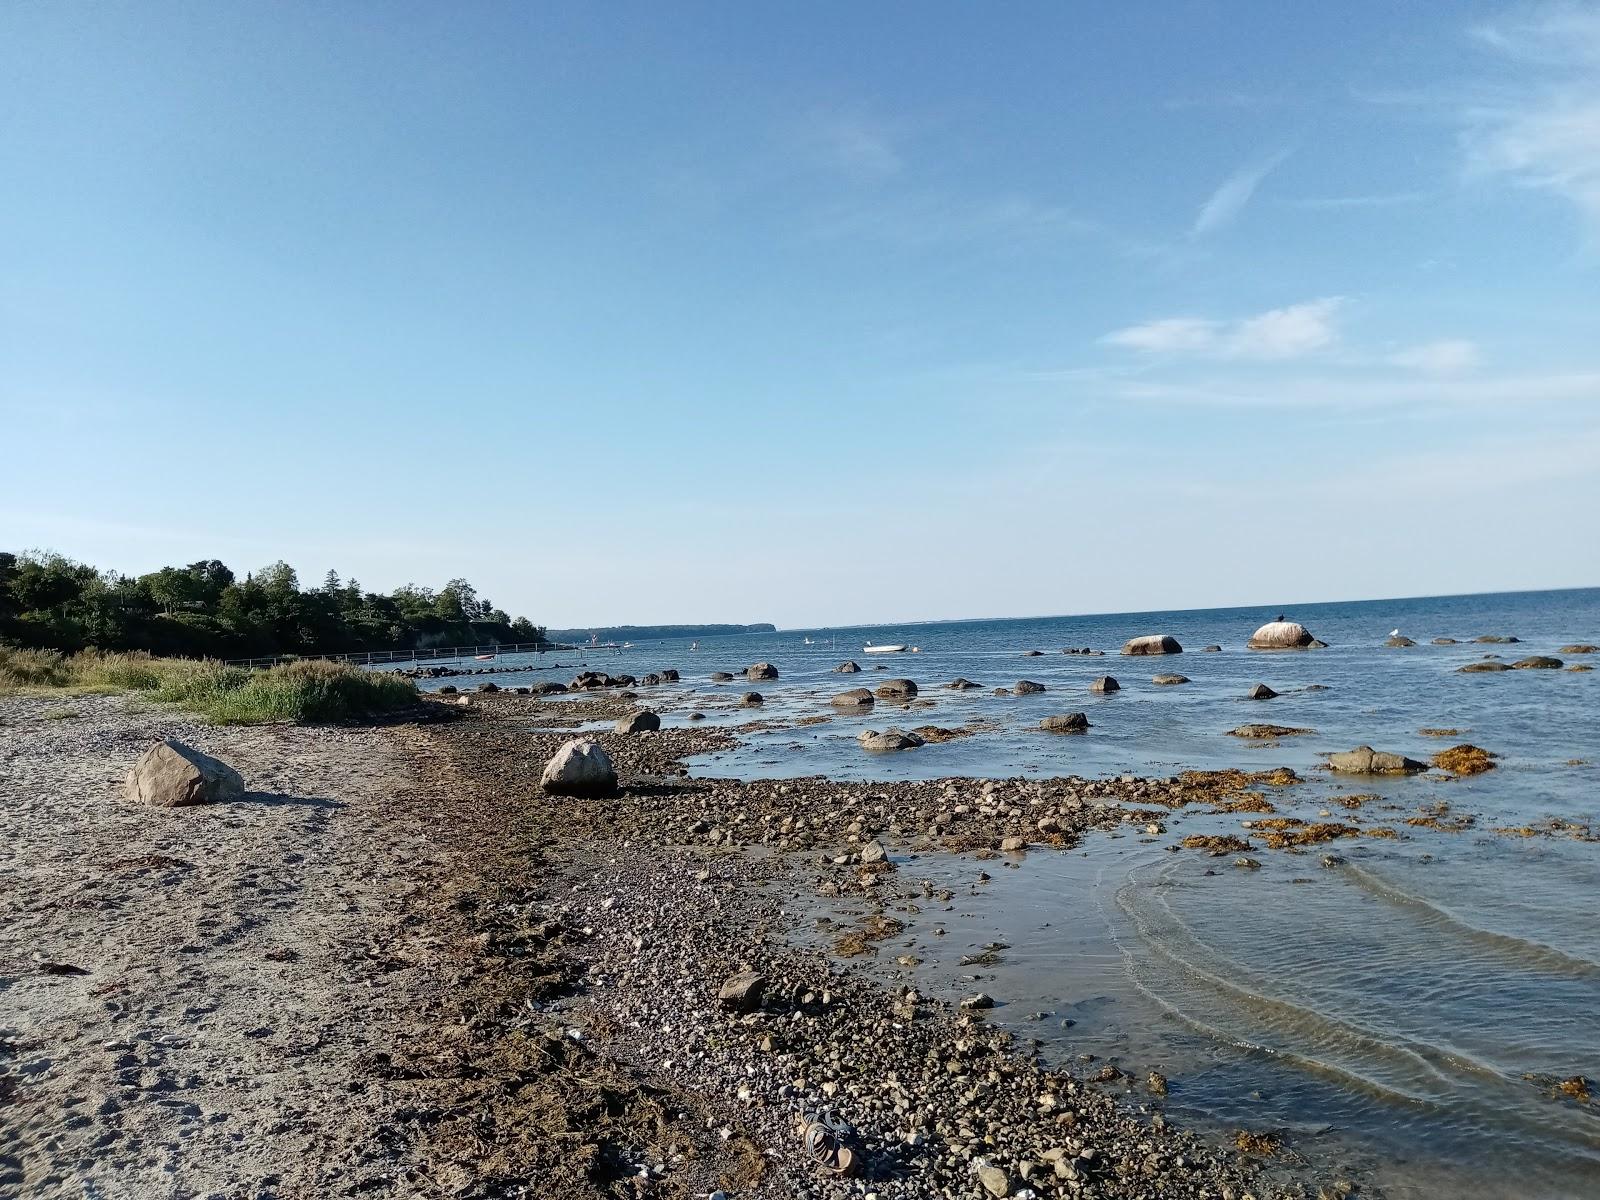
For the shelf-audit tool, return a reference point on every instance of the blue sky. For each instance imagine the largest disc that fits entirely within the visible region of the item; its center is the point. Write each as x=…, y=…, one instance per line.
x=810, y=313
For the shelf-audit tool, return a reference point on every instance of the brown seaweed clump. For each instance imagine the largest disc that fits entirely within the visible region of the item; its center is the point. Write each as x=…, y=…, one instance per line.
x=1308, y=835
x=1260, y=1144
x=1464, y=759
x=1431, y=731
x=1246, y=802
x=1215, y=844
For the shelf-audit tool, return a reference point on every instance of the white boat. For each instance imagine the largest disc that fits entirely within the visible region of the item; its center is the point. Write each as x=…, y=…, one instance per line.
x=869, y=648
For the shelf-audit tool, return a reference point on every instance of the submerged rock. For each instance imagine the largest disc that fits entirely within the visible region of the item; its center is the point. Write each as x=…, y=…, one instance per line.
x=1399, y=643
x=1282, y=635
x=1267, y=731
x=1261, y=692
x=752, y=700
x=1027, y=687
x=580, y=768
x=854, y=698
x=1211, y=649
x=171, y=775
x=1579, y=648
x=1105, y=685
x=1066, y=723
x=962, y=685
x=1444, y=641
x=896, y=688
x=1364, y=760
x=1490, y=639
x=1487, y=664
x=847, y=668
x=721, y=677
x=1169, y=680
x=1154, y=643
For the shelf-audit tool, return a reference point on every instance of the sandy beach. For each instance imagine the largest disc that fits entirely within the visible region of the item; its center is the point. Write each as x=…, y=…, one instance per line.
x=395, y=968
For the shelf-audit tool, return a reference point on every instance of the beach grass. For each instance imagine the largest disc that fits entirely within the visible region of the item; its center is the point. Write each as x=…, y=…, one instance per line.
x=314, y=691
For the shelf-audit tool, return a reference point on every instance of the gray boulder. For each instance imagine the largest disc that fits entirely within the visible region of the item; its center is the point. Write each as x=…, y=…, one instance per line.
x=1027, y=687
x=1261, y=692
x=721, y=677
x=1364, y=760
x=1488, y=664
x=1579, y=648
x=1444, y=641
x=580, y=768
x=1399, y=643
x=1490, y=639
x=848, y=668
x=760, y=671
x=890, y=739
x=1537, y=662
x=752, y=700
x=1065, y=723
x=171, y=774
x=1154, y=643
x=854, y=698
x=962, y=685
x=1169, y=680
x=643, y=721
x=1105, y=685
x=1212, y=649
x=1281, y=635
x=742, y=992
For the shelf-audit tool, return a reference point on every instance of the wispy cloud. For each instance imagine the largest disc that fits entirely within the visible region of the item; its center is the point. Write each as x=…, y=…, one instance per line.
x=850, y=143
x=1228, y=201
x=1443, y=357
x=1277, y=334
x=1543, y=131
x=1347, y=391
x=1375, y=200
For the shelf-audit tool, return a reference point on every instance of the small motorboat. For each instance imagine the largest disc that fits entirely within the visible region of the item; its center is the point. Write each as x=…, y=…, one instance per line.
x=869, y=648
x=484, y=657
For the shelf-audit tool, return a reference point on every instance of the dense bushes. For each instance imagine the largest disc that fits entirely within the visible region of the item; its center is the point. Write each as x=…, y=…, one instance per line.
x=203, y=610
x=310, y=692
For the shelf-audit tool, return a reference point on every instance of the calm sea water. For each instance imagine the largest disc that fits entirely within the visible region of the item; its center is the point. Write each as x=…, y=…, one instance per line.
x=1405, y=1012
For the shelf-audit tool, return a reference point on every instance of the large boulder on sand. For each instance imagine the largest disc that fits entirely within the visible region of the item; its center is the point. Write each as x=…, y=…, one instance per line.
x=170, y=774
x=1281, y=635
x=1154, y=643
x=761, y=670
x=854, y=698
x=643, y=721
x=894, y=689
x=1364, y=760
x=580, y=768
x=891, y=739
x=1065, y=723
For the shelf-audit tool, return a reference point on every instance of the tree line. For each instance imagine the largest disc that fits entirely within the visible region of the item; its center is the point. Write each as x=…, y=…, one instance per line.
x=205, y=610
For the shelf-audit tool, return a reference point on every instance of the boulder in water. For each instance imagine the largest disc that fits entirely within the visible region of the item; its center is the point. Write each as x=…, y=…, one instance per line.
x=1105, y=685
x=1066, y=723
x=1169, y=680
x=1399, y=643
x=1364, y=760
x=752, y=700
x=1282, y=635
x=1261, y=692
x=1154, y=643
x=890, y=739
x=1444, y=641
x=1465, y=759
x=1579, y=648
x=721, y=677
x=1027, y=687
x=1212, y=649
x=962, y=685
x=847, y=668
x=855, y=698
x=171, y=774
x=1487, y=664
x=580, y=768
x=760, y=671
x=1490, y=639
x=1537, y=662
x=894, y=689
x=1262, y=732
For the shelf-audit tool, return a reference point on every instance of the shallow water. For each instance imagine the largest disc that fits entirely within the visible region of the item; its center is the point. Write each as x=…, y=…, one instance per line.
x=1388, y=1010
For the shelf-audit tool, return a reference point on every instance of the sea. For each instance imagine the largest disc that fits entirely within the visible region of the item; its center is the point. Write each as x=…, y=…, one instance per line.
x=1421, y=1012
